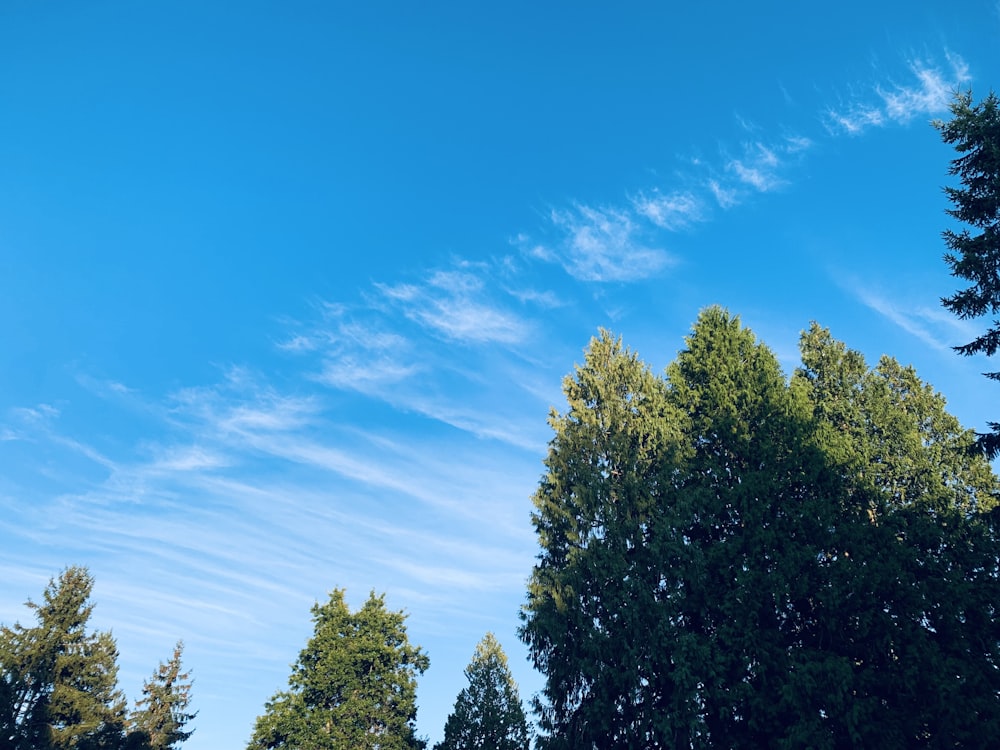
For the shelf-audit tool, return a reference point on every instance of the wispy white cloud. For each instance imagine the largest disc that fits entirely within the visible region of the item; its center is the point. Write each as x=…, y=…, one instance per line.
x=725, y=196
x=481, y=423
x=762, y=165
x=357, y=351
x=260, y=496
x=84, y=450
x=457, y=576
x=242, y=405
x=932, y=93
x=602, y=245
x=933, y=326
x=672, y=211
x=38, y=424
x=855, y=119
x=619, y=243
x=455, y=304
x=797, y=144
x=546, y=299
x=39, y=414
x=188, y=458
x=369, y=375
x=400, y=342
x=757, y=177
x=299, y=342
x=929, y=92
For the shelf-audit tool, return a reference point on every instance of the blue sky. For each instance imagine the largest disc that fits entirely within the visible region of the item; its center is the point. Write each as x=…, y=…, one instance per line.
x=288, y=290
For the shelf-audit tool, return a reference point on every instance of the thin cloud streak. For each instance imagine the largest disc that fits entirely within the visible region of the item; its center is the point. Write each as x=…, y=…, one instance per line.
x=602, y=245
x=762, y=165
x=933, y=93
x=673, y=212
x=929, y=94
x=454, y=304
x=932, y=326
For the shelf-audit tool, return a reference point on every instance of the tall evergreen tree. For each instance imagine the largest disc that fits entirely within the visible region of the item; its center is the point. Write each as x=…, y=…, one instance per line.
x=488, y=713
x=591, y=594
x=61, y=681
x=353, y=686
x=974, y=131
x=161, y=716
x=730, y=560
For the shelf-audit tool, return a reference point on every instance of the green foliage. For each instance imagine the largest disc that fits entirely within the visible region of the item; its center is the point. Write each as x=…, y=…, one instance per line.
x=353, y=686
x=974, y=131
x=595, y=511
x=488, y=714
x=161, y=715
x=60, y=682
x=732, y=560
x=909, y=603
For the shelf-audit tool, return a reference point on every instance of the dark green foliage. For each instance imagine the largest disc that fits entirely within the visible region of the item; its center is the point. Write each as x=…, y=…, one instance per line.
x=730, y=560
x=488, y=714
x=910, y=596
x=161, y=715
x=974, y=131
x=60, y=682
x=353, y=686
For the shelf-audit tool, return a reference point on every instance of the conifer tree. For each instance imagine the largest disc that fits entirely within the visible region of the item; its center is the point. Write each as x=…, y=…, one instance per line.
x=974, y=131
x=353, y=686
x=161, y=715
x=488, y=714
x=61, y=681
x=586, y=621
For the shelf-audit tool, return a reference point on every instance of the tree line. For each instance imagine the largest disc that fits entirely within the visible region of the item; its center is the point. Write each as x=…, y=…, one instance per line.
x=733, y=559
x=354, y=686
x=728, y=558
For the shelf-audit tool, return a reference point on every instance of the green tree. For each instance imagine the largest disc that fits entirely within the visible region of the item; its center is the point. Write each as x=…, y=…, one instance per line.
x=924, y=659
x=60, y=682
x=974, y=131
x=488, y=713
x=751, y=512
x=586, y=622
x=732, y=560
x=161, y=715
x=353, y=686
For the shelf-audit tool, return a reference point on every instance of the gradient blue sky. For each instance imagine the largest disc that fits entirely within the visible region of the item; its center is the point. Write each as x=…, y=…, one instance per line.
x=287, y=290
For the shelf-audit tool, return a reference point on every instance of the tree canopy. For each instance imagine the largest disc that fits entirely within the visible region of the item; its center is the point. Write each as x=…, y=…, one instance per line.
x=730, y=559
x=974, y=256
x=488, y=714
x=353, y=686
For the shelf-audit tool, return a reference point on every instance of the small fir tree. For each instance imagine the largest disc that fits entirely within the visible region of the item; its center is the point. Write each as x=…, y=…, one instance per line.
x=161, y=715
x=488, y=712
